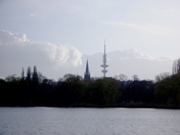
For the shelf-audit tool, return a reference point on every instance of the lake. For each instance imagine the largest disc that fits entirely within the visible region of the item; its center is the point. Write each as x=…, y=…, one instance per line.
x=88, y=121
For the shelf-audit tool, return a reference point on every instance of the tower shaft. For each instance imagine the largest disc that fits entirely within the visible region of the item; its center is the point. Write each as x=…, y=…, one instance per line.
x=104, y=65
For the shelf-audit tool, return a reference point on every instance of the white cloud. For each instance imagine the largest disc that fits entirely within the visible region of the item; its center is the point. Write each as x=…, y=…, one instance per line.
x=36, y=15
x=16, y=51
x=130, y=62
x=7, y=37
x=148, y=28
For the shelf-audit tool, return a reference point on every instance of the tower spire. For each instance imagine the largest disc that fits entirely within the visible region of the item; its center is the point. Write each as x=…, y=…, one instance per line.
x=87, y=73
x=104, y=65
x=104, y=46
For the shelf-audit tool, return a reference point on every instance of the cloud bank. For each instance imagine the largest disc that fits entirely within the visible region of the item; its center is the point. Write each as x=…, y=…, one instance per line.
x=130, y=62
x=17, y=51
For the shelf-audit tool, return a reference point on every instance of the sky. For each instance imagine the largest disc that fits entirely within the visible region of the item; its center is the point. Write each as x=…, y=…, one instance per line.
x=58, y=36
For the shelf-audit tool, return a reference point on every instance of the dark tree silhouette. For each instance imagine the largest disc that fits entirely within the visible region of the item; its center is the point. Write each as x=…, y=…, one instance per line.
x=123, y=77
x=104, y=92
x=167, y=91
x=28, y=76
x=36, y=90
x=176, y=66
x=162, y=76
x=35, y=78
x=22, y=74
x=135, y=77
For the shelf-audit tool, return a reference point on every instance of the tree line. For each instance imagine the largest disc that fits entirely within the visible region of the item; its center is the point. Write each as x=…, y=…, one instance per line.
x=33, y=89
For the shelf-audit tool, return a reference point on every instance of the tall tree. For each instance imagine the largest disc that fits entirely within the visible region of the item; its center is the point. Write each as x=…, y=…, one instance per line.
x=123, y=77
x=176, y=66
x=104, y=92
x=68, y=90
x=28, y=76
x=167, y=91
x=162, y=76
x=135, y=77
x=35, y=75
x=22, y=74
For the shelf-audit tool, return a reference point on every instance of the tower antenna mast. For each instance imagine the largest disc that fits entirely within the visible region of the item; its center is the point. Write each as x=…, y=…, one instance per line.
x=104, y=65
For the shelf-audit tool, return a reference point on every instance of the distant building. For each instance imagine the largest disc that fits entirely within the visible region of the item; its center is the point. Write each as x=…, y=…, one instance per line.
x=104, y=65
x=87, y=75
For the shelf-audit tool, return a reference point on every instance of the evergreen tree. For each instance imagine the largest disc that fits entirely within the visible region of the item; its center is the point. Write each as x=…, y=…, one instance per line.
x=22, y=74
x=35, y=75
x=28, y=77
x=176, y=67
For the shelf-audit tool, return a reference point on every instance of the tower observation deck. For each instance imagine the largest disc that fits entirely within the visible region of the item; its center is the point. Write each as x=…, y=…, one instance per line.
x=104, y=65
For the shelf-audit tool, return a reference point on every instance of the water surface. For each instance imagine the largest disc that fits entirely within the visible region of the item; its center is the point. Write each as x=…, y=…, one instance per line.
x=88, y=121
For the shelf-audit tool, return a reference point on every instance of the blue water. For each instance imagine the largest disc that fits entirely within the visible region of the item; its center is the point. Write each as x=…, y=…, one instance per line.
x=88, y=121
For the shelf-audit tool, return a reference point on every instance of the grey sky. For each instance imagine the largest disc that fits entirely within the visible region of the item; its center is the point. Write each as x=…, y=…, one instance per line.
x=80, y=26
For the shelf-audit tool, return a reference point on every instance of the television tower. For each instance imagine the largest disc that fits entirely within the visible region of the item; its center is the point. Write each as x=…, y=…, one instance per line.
x=104, y=65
